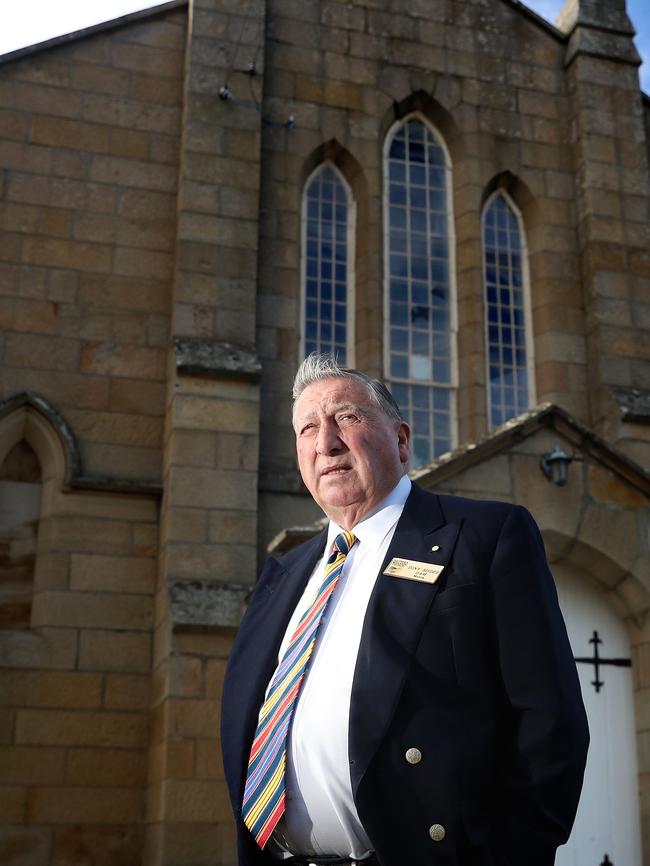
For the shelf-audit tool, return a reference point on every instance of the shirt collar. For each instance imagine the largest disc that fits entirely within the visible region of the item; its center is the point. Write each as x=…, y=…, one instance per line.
x=372, y=530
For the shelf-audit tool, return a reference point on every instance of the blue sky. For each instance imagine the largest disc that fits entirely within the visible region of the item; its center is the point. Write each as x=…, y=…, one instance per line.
x=639, y=12
x=32, y=21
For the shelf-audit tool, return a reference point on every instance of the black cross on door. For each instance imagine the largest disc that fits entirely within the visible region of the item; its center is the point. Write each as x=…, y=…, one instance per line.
x=597, y=661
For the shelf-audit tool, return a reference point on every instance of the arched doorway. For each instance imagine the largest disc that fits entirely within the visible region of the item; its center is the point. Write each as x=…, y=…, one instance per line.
x=608, y=827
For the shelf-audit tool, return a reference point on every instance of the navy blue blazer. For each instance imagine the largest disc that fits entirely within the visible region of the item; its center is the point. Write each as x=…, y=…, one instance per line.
x=474, y=670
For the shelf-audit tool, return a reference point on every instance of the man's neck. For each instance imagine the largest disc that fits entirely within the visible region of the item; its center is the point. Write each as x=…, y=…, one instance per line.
x=347, y=517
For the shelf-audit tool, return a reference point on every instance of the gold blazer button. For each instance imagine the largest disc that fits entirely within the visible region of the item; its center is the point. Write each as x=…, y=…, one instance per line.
x=437, y=832
x=413, y=755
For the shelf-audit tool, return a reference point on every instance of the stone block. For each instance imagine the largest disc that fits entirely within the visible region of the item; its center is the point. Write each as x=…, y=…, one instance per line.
x=25, y=765
x=106, y=767
x=35, y=317
x=107, y=358
x=61, y=728
x=41, y=352
x=124, y=292
x=104, y=650
x=80, y=844
x=204, y=413
x=7, y=719
x=26, y=846
x=229, y=527
x=141, y=466
x=193, y=718
x=194, y=843
x=492, y=475
x=134, y=262
x=13, y=801
x=193, y=448
x=84, y=805
x=610, y=539
x=152, y=233
x=209, y=764
x=179, y=759
x=59, y=132
x=196, y=801
x=124, y=691
x=29, y=188
x=54, y=101
x=66, y=253
x=85, y=535
x=14, y=125
x=188, y=524
x=136, y=173
x=606, y=487
x=50, y=689
x=99, y=79
x=150, y=60
x=49, y=648
x=185, y=676
x=56, y=222
x=91, y=610
x=137, y=397
x=215, y=670
x=112, y=574
x=28, y=158
x=145, y=539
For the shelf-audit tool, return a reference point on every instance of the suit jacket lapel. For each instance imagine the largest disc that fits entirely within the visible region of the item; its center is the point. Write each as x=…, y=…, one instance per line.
x=393, y=624
x=255, y=655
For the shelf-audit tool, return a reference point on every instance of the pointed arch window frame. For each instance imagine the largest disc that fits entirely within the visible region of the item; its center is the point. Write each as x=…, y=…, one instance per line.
x=454, y=378
x=529, y=343
x=350, y=300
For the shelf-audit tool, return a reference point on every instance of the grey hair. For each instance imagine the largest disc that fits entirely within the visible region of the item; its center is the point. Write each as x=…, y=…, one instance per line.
x=317, y=367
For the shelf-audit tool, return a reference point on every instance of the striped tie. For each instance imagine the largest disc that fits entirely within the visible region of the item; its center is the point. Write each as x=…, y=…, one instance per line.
x=264, y=794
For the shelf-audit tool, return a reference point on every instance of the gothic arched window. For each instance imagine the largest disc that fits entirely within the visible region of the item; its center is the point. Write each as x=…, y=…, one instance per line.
x=20, y=508
x=507, y=311
x=327, y=265
x=420, y=309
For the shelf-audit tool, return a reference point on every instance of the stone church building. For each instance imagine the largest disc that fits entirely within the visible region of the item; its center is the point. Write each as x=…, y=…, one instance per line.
x=452, y=195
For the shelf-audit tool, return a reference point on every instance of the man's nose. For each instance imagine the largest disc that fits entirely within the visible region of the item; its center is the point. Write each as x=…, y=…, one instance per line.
x=329, y=441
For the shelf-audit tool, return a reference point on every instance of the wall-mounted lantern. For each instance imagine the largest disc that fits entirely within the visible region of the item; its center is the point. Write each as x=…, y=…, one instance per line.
x=555, y=466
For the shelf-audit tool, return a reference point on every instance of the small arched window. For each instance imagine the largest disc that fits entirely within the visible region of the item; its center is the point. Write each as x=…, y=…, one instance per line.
x=327, y=265
x=20, y=507
x=507, y=311
x=420, y=307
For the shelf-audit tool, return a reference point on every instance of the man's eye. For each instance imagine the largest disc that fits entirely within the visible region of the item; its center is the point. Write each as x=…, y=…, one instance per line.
x=348, y=418
x=308, y=428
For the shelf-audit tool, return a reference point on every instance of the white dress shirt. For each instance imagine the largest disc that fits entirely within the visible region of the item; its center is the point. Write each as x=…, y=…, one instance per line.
x=321, y=818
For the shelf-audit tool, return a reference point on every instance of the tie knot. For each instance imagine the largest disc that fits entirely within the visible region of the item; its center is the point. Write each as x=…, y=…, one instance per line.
x=344, y=541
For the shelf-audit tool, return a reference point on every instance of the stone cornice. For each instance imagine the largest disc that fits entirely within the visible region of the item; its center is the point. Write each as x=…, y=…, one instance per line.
x=211, y=358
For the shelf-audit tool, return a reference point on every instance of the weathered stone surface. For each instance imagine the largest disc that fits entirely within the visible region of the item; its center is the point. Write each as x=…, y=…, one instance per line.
x=634, y=404
x=206, y=604
x=212, y=358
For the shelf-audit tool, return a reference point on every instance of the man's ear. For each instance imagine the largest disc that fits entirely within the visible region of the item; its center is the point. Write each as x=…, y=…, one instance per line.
x=404, y=442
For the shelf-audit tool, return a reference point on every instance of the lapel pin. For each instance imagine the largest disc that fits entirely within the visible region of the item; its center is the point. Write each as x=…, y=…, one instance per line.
x=435, y=547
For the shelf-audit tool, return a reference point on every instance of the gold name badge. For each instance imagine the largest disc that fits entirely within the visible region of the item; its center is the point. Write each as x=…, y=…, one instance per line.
x=410, y=569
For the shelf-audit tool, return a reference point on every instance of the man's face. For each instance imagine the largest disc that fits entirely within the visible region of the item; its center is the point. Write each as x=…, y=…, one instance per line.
x=350, y=453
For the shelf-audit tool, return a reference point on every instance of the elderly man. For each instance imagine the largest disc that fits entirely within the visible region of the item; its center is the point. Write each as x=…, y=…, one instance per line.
x=401, y=691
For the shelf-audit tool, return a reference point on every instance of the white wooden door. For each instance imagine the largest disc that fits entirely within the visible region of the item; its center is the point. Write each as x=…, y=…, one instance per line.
x=608, y=822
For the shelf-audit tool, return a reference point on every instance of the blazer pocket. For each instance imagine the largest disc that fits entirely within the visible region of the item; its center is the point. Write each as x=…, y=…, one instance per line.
x=455, y=596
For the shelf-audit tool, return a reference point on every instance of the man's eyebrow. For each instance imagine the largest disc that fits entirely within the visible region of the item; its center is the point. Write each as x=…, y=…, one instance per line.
x=332, y=408
x=355, y=407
